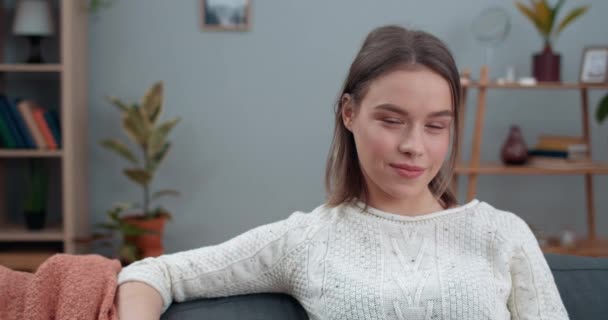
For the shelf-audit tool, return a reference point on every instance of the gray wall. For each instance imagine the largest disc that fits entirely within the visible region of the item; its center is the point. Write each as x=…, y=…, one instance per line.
x=257, y=106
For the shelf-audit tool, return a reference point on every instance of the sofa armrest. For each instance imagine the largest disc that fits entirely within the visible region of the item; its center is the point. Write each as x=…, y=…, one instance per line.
x=583, y=285
x=250, y=307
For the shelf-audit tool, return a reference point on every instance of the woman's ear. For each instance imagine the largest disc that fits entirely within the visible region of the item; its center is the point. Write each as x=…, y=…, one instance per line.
x=346, y=103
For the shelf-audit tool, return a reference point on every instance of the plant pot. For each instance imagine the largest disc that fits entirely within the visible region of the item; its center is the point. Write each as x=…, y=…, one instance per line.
x=546, y=65
x=35, y=220
x=149, y=245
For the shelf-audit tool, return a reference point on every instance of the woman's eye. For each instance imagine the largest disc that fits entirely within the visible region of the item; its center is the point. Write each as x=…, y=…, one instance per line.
x=435, y=126
x=391, y=121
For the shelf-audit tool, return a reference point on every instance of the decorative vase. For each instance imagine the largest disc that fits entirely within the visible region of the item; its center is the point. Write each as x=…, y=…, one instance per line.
x=149, y=245
x=514, y=150
x=546, y=65
x=35, y=220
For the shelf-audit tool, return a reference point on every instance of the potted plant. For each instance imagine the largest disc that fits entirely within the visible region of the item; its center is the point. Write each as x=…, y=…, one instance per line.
x=93, y=6
x=601, y=113
x=35, y=200
x=142, y=230
x=546, y=64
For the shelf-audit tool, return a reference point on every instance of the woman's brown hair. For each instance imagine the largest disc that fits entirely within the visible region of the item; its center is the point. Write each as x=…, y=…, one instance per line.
x=386, y=49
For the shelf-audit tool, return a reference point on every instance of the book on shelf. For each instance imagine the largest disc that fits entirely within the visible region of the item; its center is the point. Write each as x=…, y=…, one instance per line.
x=559, y=163
x=26, y=109
x=558, y=143
x=563, y=147
x=11, y=119
x=26, y=125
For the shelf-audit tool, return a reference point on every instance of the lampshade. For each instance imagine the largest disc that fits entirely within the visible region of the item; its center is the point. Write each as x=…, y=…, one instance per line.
x=33, y=18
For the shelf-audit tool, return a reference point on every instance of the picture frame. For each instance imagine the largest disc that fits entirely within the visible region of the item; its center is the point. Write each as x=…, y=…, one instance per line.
x=225, y=15
x=594, y=65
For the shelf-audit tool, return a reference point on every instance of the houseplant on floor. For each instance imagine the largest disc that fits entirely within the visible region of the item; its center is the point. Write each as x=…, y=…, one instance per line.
x=142, y=230
x=546, y=64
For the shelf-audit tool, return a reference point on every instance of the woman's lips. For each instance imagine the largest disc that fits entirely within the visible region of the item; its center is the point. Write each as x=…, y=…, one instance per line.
x=407, y=171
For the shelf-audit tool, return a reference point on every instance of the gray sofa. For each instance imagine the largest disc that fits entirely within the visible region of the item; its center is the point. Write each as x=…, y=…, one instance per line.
x=582, y=283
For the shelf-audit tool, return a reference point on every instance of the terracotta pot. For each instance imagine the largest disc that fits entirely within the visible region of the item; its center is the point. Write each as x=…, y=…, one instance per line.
x=150, y=245
x=546, y=65
x=514, y=150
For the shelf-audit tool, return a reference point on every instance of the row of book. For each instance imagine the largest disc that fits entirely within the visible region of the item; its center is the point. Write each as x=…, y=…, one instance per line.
x=554, y=151
x=564, y=147
x=26, y=125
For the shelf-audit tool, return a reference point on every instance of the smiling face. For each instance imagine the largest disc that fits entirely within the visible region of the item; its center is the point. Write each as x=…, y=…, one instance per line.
x=402, y=130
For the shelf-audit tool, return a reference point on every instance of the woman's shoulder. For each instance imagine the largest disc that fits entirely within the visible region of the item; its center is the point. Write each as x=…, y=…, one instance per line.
x=505, y=222
x=320, y=214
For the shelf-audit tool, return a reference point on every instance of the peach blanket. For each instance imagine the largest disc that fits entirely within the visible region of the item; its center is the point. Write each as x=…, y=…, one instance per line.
x=64, y=287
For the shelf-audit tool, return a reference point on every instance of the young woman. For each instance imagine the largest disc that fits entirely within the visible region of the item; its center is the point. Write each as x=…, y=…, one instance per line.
x=390, y=242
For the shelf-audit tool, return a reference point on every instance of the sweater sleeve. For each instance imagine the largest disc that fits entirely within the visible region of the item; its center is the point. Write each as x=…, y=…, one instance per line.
x=249, y=263
x=534, y=294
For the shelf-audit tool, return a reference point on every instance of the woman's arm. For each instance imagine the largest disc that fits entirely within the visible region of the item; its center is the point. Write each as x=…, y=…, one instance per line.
x=137, y=300
x=534, y=294
x=249, y=263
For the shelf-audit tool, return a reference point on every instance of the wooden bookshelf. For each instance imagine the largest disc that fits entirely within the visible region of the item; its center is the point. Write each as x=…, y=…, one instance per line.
x=20, y=233
x=30, y=153
x=589, y=245
x=501, y=169
x=584, y=247
x=539, y=85
x=24, y=260
x=31, y=68
x=69, y=164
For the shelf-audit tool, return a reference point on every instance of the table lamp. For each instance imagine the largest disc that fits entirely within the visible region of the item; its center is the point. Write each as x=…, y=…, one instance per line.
x=33, y=20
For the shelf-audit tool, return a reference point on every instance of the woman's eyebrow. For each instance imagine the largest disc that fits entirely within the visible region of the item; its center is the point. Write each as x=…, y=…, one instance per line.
x=392, y=108
x=395, y=109
x=442, y=113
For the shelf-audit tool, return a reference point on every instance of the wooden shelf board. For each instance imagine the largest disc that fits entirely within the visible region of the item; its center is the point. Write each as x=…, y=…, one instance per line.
x=540, y=85
x=30, y=153
x=20, y=233
x=498, y=169
x=24, y=261
x=23, y=67
x=585, y=247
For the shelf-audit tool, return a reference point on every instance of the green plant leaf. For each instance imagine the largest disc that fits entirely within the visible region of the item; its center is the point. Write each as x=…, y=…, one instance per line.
x=108, y=226
x=555, y=11
x=128, y=252
x=543, y=15
x=139, y=176
x=134, y=126
x=128, y=229
x=120, y=148
x=158, y=158
x=159, y=135
x=163, y=193
x=530, y=13
x=35, y=199
x=152, y=101
x=119, y=104
x=602, y=110
x=570, y=17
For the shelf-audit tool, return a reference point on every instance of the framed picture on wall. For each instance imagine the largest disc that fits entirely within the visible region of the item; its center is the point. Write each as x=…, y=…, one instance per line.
x=594, y=65
x=226, y=15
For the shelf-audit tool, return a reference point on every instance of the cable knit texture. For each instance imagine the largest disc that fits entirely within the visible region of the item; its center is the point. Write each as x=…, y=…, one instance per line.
x=470, y=262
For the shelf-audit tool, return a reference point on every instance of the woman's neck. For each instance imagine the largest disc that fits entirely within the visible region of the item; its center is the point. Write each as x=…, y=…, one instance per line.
x=422, y=204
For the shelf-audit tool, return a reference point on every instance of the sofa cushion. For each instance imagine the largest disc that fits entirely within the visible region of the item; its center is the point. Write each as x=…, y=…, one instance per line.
x=251, y=307
x=582, y=284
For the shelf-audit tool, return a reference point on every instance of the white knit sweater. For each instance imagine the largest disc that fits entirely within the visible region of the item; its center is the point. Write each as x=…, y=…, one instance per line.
x=470, y=262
